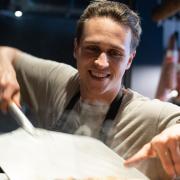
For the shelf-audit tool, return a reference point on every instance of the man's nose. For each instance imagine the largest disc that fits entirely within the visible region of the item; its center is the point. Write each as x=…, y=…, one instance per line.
x=102, y=60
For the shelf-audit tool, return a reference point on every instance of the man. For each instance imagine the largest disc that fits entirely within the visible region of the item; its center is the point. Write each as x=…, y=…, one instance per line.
x=105, y=45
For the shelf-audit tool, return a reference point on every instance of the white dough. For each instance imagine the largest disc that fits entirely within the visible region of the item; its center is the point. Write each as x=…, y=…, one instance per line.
x=51, y=155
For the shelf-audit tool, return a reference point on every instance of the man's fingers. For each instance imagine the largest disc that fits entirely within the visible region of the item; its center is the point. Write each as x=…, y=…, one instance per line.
x=174, y=147
x=166, y=160
x=16, y=99
x=8, y=95
x=144, y=153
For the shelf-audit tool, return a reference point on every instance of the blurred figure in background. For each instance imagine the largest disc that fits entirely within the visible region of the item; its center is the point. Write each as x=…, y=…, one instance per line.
x=167, y=83
x=176, y=98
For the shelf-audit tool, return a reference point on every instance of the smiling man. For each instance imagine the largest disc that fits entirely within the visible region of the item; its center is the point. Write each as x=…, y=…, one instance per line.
x=103, y=54
x=91, y=100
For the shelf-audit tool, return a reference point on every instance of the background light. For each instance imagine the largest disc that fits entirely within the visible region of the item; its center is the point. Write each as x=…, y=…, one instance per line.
x=18, y=13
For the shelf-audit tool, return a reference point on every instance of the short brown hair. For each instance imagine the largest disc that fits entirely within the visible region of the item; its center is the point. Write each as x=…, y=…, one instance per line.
x=119, y=12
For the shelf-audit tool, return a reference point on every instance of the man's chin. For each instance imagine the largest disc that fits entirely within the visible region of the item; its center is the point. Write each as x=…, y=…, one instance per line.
x=97, y=90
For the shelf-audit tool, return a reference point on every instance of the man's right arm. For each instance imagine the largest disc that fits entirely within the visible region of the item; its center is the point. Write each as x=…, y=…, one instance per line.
x=9, y=87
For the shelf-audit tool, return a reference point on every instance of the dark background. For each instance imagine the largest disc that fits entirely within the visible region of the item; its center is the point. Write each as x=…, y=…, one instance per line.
x=47, y=28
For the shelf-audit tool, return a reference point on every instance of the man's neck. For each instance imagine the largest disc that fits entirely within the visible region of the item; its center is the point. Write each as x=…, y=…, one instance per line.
x=101, y=99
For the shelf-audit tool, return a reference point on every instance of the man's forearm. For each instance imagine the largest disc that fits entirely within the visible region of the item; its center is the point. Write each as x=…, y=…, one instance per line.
x=9, y=87
x=9, y=54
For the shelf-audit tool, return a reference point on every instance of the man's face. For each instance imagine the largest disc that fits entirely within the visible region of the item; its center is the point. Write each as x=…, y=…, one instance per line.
x=103, y=55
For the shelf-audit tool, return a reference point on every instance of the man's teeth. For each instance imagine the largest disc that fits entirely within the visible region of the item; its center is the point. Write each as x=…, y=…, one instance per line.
x=100, y=75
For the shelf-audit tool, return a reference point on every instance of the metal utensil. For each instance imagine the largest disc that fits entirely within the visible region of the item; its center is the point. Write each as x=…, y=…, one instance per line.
x=21, y=119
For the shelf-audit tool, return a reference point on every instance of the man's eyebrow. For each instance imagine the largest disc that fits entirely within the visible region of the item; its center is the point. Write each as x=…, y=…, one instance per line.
x=118, y=48
x=111, y=45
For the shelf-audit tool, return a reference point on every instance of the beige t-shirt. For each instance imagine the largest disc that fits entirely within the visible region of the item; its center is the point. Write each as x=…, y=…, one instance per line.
x=49, y=86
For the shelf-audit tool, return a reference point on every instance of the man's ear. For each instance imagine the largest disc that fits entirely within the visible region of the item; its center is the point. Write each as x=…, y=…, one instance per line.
x=132, y=55
x=75, y=48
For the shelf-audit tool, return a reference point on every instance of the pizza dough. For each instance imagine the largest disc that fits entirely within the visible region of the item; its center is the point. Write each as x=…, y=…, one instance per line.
x=57, y=156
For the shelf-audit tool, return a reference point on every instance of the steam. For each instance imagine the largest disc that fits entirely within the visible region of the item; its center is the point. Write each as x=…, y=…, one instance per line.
x=86, y=119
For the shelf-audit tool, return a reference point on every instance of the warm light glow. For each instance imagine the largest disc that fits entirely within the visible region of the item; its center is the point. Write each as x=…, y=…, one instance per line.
x=18, y=13
x=172, y=94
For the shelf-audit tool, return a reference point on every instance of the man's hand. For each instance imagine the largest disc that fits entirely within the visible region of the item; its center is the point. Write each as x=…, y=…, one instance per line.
x=166, y=147
x=9, y=87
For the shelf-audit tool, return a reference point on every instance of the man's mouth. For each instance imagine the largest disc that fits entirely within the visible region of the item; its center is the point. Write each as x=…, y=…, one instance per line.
x=99, y=75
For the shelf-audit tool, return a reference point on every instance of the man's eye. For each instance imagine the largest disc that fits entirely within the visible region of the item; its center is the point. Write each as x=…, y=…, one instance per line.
x=92, y=49
x=115, y=54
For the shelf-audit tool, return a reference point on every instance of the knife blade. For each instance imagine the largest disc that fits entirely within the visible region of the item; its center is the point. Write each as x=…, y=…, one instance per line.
x=21, y=119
